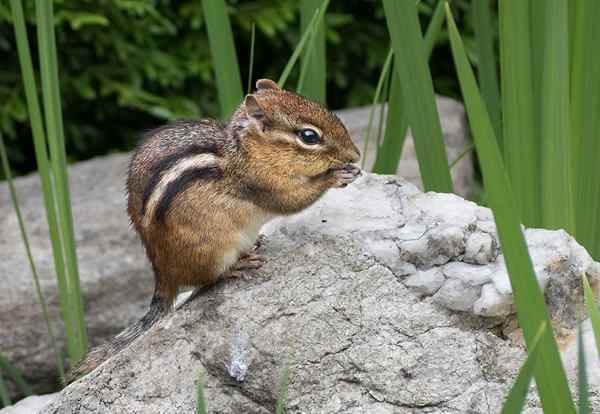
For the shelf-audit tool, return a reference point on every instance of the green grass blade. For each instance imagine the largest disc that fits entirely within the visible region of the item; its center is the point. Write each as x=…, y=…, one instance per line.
x=411, y=65
x=585, y=123
x=36, y=280
x=592, y=309
x=14, y=373
x=529, y=300
x=227, y=69
x=384, y=72
x=390, y=151
x=55, y=135
x=516, y=397
x=521, y=145
x=582, y=382
x=487, y=70
x=460, y=156
x=41, y=155
x=200, y=400
x=4, y=396
x=283, y=390
x=251, y=64
x=297, y=51
x=385, y=95
x=309, y=49
x=557, y=195
x=314, y=86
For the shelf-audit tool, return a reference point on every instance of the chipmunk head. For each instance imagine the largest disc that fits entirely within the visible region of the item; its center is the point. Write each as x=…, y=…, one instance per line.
x=302, y=135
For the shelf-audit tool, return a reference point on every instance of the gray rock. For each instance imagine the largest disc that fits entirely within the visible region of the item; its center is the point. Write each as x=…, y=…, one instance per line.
x=328, y=305
x=426, y=282
x=454, y=126
x=29, y=405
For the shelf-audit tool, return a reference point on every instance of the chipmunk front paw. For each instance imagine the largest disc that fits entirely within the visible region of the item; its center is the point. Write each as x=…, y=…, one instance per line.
x=346, y=174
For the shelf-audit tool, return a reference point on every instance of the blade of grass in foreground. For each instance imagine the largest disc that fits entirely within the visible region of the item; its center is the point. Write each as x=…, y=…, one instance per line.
x=585, y=123
x=582, y=382
x=416, y=83
x=304, y=67
x=200, y=400
x=283, y=390
x=13, y=372
x=557, y=194
x=384, y=73
x=487, y=72
x=298, y=50
x=521, y=146
x=56, y=143
x=39, y=141
x=316, y=75
x=227, y=69
x=516, y=397
x=550, y=376
x=36, y=280
x=592, y=309
x=4, y=396
x=251, y=64
x=390, y=151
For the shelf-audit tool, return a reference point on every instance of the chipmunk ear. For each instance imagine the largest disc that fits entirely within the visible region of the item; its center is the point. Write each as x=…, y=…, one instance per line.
x=266, y=84
x=254, y=110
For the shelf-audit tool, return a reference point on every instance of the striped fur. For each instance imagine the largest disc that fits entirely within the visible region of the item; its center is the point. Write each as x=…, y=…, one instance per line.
x=172, y=175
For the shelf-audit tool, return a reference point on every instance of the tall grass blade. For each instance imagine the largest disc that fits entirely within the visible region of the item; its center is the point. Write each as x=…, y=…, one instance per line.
x=251, y=64
x=516, y=397
x=36, y=280
x=56, y=143
x=557, y=193
x=222, y=47
x=390, y=151
x=487, y=70
x=582, y=381
x=521, y=146
x=385, y=95
x=41, y=154
x=592, y=309
x=460, y=156
x=14, y=373
x=4, y=395
x=283, y=390
x=316, y=76
x=308, y=50
x=585, y=123
x=384, y=73
x=416, y=83
x=200, y=400
x=529, y=300
x=298, y=50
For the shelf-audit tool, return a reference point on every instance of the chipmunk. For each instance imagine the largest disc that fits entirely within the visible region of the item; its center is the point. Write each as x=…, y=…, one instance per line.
x=199, y=192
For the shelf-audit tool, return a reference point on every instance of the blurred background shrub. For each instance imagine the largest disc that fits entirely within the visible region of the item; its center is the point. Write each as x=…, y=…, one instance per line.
x=129, y=65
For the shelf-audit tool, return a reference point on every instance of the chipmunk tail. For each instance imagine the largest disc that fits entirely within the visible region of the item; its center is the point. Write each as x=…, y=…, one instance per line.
x=159, y=307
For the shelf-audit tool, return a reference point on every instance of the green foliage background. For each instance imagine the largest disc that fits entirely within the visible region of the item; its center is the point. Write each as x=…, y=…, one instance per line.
x=129, y=65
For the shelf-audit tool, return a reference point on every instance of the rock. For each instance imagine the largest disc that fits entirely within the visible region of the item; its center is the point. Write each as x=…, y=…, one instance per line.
x=426, y=282
x=454, y=126
x=334, y=304
x=29, y=405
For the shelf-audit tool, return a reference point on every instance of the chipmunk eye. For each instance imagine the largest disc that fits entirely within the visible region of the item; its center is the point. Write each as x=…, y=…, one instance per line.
x=309, y=136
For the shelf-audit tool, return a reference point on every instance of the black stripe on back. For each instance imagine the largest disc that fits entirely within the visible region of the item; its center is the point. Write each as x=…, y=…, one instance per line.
x=181, y=183
x=168, y=162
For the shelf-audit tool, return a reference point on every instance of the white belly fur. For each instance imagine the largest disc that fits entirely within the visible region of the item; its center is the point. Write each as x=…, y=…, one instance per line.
x=245, y=240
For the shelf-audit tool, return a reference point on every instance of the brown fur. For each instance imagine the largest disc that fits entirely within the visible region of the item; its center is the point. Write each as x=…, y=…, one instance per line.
x=264, y=173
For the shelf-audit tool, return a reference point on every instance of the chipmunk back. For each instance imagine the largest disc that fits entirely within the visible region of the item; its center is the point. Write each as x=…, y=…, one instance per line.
x=199, y=192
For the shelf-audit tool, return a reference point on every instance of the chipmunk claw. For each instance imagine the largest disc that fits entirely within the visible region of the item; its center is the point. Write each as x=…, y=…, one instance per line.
x=346, y=174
